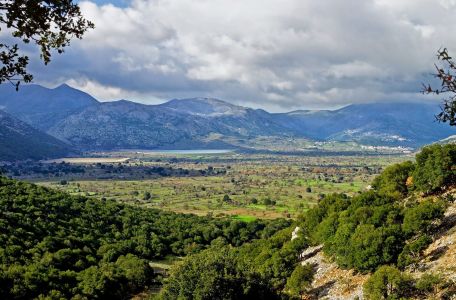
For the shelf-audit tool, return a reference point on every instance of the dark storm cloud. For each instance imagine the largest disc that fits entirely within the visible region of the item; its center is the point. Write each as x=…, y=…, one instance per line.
x=279, y=55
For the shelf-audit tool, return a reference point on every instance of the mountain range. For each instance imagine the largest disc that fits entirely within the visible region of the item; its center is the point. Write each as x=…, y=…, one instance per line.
x=79, y=120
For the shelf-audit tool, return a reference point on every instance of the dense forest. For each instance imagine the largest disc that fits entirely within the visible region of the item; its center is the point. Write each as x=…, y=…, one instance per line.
x=54, y=246
x=58, y=246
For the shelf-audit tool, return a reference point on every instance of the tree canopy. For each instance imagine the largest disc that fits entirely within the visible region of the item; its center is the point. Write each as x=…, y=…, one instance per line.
x=59, y=246
x=50, y=24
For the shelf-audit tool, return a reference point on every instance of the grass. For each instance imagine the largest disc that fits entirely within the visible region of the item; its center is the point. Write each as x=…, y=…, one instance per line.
x=294, y=183
x=246, y=219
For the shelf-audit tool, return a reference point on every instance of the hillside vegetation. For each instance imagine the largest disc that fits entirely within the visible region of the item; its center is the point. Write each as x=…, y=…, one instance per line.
x=17, y=139
x=54, y=246
x=57, y=246
x=382, y=231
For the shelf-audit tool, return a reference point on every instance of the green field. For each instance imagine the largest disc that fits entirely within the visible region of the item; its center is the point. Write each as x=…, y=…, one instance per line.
x=252, y=186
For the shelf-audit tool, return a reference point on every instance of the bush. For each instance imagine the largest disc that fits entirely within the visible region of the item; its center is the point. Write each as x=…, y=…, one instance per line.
x=393, y=180
x=268, y=202
x=147, y=196
x=213, y=274
x=412, y=252
x=387, y=283
x=429, y=283
x=419, y=218
x=300, y=280
x=435, y=168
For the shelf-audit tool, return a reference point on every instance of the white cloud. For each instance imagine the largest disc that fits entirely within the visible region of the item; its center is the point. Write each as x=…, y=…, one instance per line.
x=103, y=92
x=275, y=54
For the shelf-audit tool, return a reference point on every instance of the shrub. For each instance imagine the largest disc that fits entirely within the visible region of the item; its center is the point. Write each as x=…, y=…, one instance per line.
x=393, y=180
x=419, y=218
x=387, y=283
x=435, y=168
x=300, y=280
x=411, y=253
x=147, y=196
x=428, y=283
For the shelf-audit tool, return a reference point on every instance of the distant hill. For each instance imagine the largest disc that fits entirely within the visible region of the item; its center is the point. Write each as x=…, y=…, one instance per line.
x=125, y=124
x=43, y=107
x=77, y=118
x=406, y=124
x=19, y=141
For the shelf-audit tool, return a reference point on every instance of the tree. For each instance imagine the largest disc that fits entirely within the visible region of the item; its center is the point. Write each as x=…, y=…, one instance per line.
x=386, y=283
x=214, y=274
x=300, y=280
x=50, y=24
x=420, y=218
x=147, y=196
x=447, y=77
x=226, y=198
x=411, y=253
x=435, y=168
x=393, y=180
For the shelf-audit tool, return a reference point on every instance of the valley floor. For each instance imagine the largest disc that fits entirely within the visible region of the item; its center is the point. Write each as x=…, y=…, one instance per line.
x=244, y=186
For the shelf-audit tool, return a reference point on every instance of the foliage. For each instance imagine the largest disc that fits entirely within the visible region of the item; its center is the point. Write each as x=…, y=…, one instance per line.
x=412, y=251
x=147, y=196
x=214, y=274
x=433, y=171
x=53, y=243
x=370, y=230
x=435, y=168
x=429, y=283
x=374, y=228
x=300, y=280
x=49, y=24
x=387, y=283
x=256, y=270
x=447, y=78
x=393, y=180
x=419, y=219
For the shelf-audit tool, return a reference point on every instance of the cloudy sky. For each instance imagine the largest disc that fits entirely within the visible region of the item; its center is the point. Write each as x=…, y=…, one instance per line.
x=278, y=55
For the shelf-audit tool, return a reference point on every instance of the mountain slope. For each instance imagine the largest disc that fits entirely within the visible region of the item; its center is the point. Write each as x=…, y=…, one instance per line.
x=42, y=107
x=77, y=118
x=406, y=124
x=19, y=140
x=125, y=124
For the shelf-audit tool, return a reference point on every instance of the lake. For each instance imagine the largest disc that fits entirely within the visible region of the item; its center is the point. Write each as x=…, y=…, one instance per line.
x=195, y=151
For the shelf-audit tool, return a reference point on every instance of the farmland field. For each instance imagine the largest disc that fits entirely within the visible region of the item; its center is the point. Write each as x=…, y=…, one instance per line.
x=243, y=186
x=89, y=160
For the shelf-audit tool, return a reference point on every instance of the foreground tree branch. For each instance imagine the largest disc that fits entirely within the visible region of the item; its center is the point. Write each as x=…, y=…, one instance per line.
x=447, y=77
x=50, y=24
